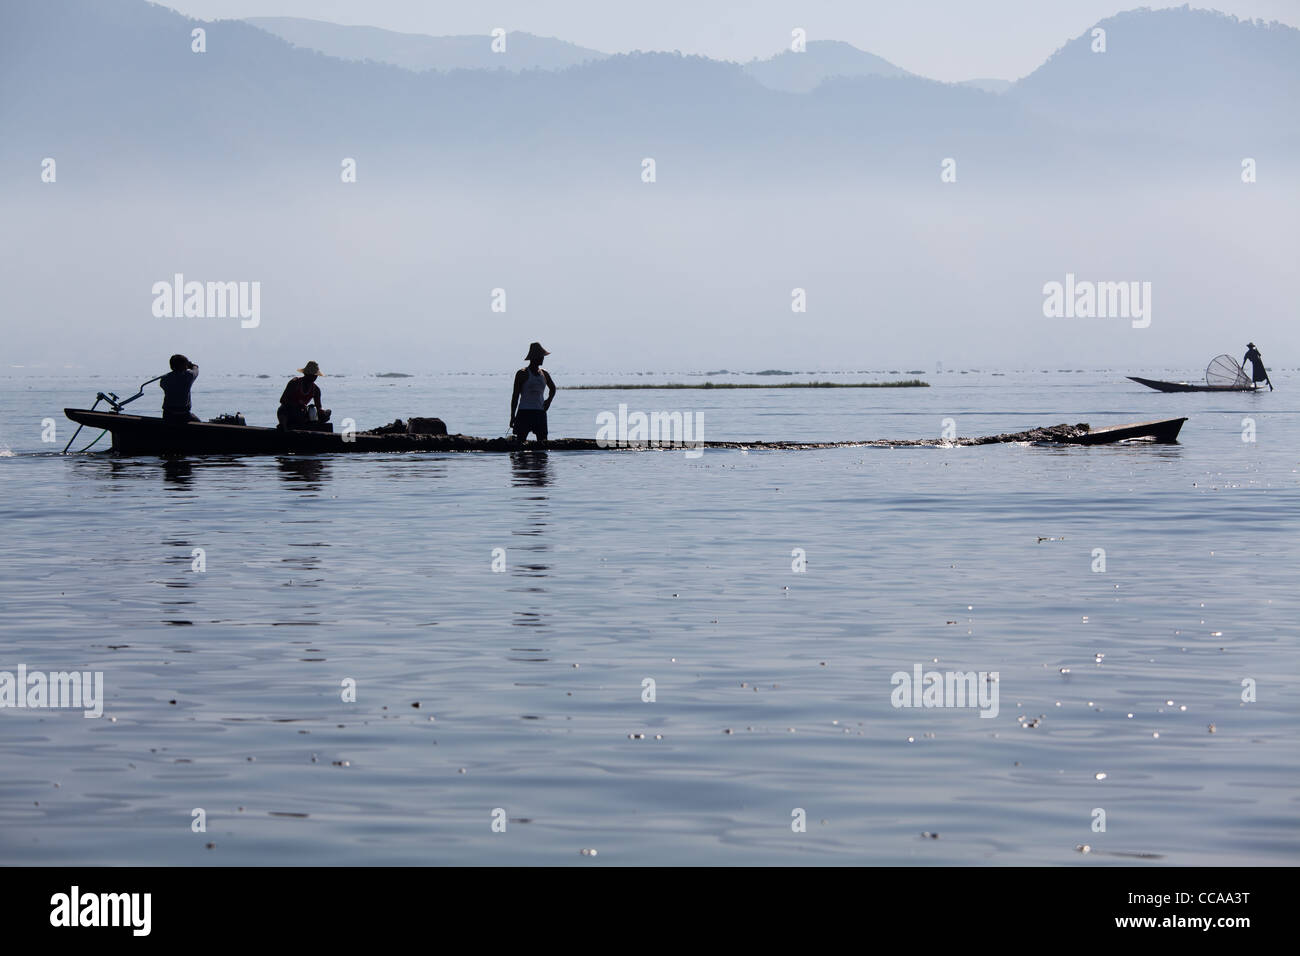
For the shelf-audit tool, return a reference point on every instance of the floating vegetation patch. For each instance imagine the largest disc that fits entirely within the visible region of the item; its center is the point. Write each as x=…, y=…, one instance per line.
x=908, y=383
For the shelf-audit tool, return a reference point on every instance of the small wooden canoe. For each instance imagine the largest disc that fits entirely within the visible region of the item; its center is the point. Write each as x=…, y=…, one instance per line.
x=1189, y=387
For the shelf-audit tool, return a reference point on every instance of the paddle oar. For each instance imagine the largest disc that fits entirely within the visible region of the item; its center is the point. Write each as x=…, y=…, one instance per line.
x=79, y=428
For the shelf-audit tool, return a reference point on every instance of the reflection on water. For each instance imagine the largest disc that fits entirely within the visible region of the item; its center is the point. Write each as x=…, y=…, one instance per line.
x=305, y=557
x=528, y=618
x=530, y=468
x=177, y=471
x=1138, y=450
x=310, y=472
x=190, y=558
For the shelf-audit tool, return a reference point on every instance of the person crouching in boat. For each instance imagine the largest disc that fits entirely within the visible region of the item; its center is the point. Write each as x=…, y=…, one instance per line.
x=527, y=406
x=299, y=395
x=1257, y=371
x=176, y=386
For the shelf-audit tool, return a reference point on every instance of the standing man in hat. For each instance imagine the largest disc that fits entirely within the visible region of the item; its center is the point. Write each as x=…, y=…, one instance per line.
x=527, y=407
x=298, y=396
x=1257, y=373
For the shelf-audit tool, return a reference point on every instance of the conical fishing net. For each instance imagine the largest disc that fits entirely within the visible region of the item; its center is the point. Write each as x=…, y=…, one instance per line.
x=1224, y=372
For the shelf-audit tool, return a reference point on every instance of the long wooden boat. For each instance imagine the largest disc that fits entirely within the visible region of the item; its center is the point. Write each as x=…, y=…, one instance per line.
x=143, y=435
x=1189, y=387
x=1163, y=430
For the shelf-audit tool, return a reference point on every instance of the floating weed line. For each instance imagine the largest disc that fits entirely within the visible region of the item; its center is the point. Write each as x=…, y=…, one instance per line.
x=909, y=383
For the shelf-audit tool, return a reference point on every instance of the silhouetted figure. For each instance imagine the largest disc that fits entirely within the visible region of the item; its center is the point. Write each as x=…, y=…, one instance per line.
x=298, y=397
x=1257, y=373
x=176, y=386
x=527, y=406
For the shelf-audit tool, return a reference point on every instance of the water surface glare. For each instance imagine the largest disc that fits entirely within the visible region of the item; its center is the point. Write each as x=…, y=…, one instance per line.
x=224, y=687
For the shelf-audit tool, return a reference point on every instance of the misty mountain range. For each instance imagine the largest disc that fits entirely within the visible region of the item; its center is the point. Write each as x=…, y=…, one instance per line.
x=1174, y=87
x=817, y=171
x=789, y=71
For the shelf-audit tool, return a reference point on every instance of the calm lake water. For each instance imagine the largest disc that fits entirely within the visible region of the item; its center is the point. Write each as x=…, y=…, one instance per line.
x=224, y=687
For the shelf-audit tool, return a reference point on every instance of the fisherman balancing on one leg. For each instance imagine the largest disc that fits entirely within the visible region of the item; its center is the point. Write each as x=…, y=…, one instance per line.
x=1258, y=373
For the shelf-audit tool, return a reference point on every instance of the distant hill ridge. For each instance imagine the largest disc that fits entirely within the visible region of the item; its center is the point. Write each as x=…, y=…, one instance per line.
x=419, y=52
x=787, y=71
x=803, y=72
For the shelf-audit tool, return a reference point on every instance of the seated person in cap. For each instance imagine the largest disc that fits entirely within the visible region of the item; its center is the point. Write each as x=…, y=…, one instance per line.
x=530, y=383
x=176, y=391
x=298, y=396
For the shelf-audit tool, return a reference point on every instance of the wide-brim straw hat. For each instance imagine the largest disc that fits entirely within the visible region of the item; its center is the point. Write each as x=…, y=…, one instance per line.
x=311, y=368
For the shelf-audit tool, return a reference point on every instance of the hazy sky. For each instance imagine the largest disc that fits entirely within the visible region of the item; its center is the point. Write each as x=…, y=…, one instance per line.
x=942, y=39
x=697, y=271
